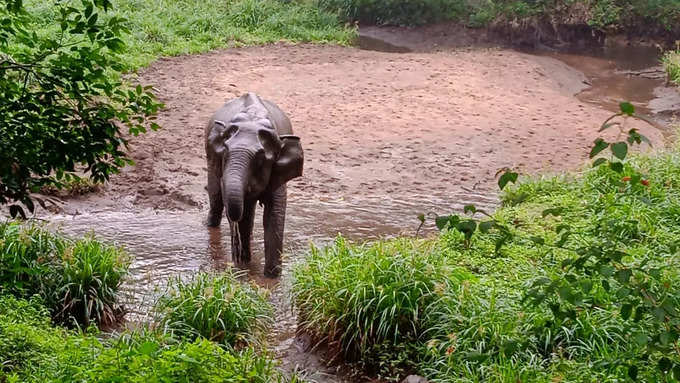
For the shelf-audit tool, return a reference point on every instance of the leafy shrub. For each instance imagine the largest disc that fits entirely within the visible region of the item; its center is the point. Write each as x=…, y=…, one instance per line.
x=77, y=280
x=33, y=351
x=61, y=104
x=216, y=307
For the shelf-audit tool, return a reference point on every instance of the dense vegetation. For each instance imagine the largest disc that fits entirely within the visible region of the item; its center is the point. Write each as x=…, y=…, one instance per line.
x=32, y=350
x=632, y=15
x=574, y=279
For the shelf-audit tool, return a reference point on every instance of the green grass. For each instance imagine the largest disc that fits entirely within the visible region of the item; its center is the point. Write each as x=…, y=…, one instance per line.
x=453, y=311
x=32, y=351
x=175, y=27
x=671, y=62
x=216, y=307
x=77, y=280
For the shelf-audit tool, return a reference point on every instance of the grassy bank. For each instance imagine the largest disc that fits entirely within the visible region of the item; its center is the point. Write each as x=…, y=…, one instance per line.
x=671, y=62
x=583, y=288
x=622, y=15
x=168, y=28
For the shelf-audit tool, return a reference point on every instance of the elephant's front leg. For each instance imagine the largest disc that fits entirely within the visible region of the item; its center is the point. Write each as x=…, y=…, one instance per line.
x=215, y=198
x=242, y=232
x=274, y=222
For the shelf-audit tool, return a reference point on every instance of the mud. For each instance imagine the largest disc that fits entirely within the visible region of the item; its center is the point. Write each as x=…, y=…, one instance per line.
x=387, y=135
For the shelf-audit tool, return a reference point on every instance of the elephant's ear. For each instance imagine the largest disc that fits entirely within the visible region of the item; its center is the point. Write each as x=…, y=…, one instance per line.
x=289, y=163
x=218, y=134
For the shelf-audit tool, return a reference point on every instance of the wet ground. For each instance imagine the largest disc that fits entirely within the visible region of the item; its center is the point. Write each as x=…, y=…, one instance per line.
x=387, y=133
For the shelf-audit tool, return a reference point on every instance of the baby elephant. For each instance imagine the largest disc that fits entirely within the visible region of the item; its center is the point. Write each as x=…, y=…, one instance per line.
x=252, y=153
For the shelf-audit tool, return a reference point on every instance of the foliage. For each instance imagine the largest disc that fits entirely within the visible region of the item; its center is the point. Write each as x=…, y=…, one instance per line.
x=31, y=350
x=671, y=61
x=216, y=307
x=60, y=104
x=583, y=286
x=170, y=28
x=599, y=14
x=77, y=280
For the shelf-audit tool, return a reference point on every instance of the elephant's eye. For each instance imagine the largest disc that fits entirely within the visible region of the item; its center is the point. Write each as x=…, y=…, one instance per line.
x=231, y=131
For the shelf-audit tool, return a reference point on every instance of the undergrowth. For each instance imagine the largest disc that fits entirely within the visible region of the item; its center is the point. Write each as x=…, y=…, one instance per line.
x=459, y=308
x=671, y=62
x=600, y=14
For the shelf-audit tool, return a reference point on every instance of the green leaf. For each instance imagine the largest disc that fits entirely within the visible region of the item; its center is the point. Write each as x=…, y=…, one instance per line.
x=620, y=150
x=441, y=221
x=421, y=218
x=616, y=166
x=537, y=240
x=148, y=348
x=627, y=108
x=599, y=146
x=599, y=162
x=640, y=339
x=469, y=209
x=665, y=364
x=665, y=338
x=485, y=226
x=556, y=211
x=623, y=275
x=508, y=176
x=676, y=372
x=626, y=311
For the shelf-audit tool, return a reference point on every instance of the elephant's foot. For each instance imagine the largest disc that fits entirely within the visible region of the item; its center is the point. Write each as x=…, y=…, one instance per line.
x=214, y=221
x=272, y=271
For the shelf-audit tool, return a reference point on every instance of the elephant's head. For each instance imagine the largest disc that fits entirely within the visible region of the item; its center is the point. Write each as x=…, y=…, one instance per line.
x=254, y=159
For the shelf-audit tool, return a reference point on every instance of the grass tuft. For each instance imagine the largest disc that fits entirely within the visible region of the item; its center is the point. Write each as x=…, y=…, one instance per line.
x=216, y=307
x=671, y=61
x=77, y=280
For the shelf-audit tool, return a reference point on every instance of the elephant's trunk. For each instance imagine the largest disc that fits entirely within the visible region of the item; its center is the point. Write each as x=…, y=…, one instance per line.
x=234, y=183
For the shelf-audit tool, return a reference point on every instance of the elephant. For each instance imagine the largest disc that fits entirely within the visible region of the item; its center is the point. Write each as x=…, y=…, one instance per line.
x=251, y=153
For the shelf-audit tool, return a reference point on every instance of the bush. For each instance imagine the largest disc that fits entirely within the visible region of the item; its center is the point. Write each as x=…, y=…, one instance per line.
x=33, y=351
x=215, y=307
x=77, y=280
x=61, y=103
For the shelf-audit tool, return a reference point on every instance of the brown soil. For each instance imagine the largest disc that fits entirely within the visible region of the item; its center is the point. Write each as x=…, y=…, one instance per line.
x=372, y=123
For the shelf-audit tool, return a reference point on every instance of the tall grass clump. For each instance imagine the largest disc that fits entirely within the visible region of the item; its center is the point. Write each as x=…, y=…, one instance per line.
x=364, y=300
x=175, y=27
x=78, y=280
x=32, y=350
x=216, y=307
x=671, y=61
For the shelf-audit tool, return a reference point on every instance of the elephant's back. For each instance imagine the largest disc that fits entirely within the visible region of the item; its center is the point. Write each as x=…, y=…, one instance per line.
x=280, y=120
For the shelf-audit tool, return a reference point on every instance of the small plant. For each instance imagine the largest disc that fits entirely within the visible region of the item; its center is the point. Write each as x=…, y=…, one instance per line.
x=216, y=307
x=671, y=61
